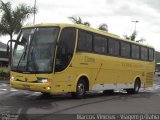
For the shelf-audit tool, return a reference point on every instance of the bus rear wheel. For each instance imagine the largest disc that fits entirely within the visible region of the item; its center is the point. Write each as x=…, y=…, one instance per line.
x=80, y=90
x=136, y=88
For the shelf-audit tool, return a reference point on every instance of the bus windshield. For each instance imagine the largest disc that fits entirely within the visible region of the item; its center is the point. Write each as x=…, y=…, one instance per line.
x=34, y=51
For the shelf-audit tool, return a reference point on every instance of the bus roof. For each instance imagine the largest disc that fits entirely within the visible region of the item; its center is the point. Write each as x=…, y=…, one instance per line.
x=84, y=27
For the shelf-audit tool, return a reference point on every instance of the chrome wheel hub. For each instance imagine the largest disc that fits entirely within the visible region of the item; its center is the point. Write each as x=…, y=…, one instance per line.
x=137, y=88
x=80, y=89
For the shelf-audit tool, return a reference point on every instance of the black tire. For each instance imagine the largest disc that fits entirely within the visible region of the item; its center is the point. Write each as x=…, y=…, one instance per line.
x=108, y=92
x=80, y=90
x=46, y=94
x=136, y=88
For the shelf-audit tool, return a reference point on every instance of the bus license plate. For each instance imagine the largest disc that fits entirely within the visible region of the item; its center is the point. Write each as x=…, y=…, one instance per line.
x=26, y=87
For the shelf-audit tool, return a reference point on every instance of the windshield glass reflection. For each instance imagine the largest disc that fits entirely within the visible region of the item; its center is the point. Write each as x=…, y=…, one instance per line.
x=35, y=50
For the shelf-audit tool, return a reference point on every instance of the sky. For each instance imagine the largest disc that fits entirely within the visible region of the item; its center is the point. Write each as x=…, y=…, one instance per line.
x=117, y=14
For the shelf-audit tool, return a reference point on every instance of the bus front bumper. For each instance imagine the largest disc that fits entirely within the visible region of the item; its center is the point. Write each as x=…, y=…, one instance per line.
x=36, y=87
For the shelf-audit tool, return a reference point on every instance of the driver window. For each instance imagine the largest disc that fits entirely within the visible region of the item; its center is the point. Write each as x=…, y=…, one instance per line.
x=65, y=48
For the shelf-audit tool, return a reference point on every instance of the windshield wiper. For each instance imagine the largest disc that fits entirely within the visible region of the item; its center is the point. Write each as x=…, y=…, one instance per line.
x=24, y=53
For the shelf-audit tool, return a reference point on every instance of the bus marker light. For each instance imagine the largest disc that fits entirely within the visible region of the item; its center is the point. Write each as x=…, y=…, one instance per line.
x=47, y=88
x=12, y=78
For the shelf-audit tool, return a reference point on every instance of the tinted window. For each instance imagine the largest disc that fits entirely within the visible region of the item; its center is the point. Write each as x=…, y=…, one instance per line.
x=135, y=52
x=125, y=49
x=39, y=43
x=113, y=47
x=100, y=44
x=144, y=53
x=65, y=48
x=84, y=41
x=151, y=54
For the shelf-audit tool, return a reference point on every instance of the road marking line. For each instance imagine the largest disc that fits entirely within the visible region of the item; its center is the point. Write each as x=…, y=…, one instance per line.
x=12, y=89
x=3, y=89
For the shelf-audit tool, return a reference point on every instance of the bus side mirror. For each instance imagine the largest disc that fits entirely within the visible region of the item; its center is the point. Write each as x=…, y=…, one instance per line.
x=8, y=45
x=7, y=49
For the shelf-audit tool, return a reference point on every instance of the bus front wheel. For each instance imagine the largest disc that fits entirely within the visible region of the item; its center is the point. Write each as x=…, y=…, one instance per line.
x=136, y=88
x=80, y=90
x=46, y=94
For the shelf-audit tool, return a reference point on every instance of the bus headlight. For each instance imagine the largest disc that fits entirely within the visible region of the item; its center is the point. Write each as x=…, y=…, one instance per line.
x=12, y=78
x=43, y=81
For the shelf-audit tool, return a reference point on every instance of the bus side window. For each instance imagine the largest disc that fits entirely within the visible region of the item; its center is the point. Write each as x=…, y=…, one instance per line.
x=100, y=44
x=65, y=48
x=113, y=47
x=84, y=41
x=151, y=54
x=135, y=52
x=125, y=49
x=144, y=53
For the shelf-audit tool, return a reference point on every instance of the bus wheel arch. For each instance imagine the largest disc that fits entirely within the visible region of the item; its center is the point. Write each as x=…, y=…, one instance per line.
x=138, y=80
x=137, y=86
x=82, y=85
x=86, y=80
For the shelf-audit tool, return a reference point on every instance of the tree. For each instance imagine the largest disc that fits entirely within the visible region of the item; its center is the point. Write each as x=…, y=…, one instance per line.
x=78, y=20
x=133, y=36
x=103, y=27
x=12, y=19
x=141, y=40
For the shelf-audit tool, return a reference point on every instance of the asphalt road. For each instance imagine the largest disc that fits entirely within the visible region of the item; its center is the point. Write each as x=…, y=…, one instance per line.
x=21, y=102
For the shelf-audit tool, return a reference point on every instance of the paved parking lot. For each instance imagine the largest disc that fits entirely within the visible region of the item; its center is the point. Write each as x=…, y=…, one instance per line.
x=25, y=102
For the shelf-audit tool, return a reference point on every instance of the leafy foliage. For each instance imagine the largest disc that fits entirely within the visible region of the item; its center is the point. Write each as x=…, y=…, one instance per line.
x=133, y=36
x=12, y=20
x=78, y=20
x=4, y=72
x=103, y=27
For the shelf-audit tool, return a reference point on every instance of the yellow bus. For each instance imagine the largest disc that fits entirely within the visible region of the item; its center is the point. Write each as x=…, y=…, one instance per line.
x=55, y=58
